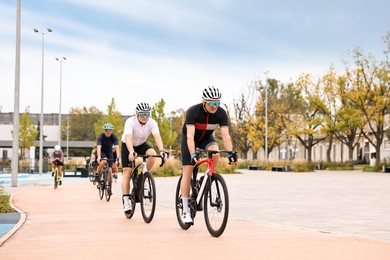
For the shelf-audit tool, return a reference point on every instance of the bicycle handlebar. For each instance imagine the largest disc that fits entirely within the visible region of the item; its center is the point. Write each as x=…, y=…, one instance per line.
x=145, y=156
x=210, y=153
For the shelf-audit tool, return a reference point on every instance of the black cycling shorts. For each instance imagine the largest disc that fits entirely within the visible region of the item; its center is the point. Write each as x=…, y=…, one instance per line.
x=140, y=149
x=203, y=144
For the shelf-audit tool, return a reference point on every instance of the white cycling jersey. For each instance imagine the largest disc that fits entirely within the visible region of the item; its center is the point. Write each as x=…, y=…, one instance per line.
x=138, y=131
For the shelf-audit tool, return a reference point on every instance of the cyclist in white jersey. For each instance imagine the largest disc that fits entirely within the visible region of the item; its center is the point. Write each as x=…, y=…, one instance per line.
x=135, y=133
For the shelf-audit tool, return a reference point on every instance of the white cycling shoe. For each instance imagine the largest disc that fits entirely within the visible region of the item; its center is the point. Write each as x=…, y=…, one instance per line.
x=186, y=218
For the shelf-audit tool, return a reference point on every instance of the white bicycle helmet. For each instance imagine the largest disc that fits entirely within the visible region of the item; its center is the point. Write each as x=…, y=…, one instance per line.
x=211, y=94
x=57, y=148
x=143, y=107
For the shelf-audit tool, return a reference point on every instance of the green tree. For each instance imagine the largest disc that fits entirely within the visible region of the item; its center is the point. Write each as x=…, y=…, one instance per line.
x=114, y=117
x=81, y=126
x=27, y=133
x=164, y=123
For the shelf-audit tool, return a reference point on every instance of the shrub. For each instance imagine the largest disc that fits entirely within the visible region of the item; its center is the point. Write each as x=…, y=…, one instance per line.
x=172, y=167
x=4, y=202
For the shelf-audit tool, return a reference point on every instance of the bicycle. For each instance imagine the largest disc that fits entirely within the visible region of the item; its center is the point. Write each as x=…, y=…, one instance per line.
x=144, y=189
x=91, y=172
x=209, y=189
x=56, y=176
x=104, y=186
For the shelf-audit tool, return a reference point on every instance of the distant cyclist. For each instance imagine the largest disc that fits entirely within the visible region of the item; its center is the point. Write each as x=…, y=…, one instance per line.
x=93, y=157
x=135, y=133
x=105, y=142
x=198, y=132
x=57, y=160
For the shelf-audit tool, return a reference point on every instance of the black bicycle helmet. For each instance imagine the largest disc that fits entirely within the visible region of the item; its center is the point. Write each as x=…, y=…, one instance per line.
x=211, y=94
x=143, y=107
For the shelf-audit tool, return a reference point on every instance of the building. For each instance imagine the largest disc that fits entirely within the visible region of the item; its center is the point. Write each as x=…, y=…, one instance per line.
x=50, y=130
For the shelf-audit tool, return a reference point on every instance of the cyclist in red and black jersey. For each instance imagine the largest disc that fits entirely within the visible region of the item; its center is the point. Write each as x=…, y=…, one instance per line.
x=57, y=160
x=198, y=132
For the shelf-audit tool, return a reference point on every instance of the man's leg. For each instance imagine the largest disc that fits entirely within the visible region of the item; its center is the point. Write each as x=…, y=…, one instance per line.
x=150, y=161
x=126, y=178
x=185, y=192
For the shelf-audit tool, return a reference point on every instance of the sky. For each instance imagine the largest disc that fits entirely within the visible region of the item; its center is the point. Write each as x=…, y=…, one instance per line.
x=144, y=51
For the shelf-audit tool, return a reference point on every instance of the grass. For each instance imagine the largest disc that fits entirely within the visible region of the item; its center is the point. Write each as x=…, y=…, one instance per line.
x=4, y=202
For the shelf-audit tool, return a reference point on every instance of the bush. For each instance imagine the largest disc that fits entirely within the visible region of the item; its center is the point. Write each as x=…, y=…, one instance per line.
x=172, y=167
x=4, y=202
x=243, y=164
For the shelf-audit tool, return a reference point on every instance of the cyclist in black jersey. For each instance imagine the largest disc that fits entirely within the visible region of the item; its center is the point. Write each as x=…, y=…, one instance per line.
x=104, y=149
x=198, y=132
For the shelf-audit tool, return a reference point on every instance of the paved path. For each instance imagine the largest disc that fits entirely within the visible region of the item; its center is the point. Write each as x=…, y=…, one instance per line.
x=322, y=215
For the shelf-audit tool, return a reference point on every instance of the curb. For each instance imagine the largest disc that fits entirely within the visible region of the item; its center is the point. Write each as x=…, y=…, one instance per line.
x=15, y=228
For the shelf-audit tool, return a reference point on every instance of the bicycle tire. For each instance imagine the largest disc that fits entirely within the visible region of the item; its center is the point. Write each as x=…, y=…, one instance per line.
x=179, y=207
x=129, y=214
x=102, y=184
x=216, y=205
x=91, y=175
x=55, y=178
x=148, y=197
x=108, y=191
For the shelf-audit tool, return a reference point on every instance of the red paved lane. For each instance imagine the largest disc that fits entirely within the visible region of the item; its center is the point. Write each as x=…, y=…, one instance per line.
x=72, y=223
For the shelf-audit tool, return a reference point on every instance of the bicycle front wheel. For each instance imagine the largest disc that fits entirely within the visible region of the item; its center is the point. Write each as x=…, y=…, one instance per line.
x=179, y=207
x=56, y=178
x=148, y=197
x=108, y=191
x=216, y=205
x=91, y=175
x=102, y=184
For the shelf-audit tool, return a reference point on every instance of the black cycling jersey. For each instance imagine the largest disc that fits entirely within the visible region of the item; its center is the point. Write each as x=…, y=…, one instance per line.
x=107, y=143
x=205, y=123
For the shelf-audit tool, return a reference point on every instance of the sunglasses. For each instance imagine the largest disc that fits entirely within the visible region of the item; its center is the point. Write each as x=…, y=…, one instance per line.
x=143, y=115
x=214, y=103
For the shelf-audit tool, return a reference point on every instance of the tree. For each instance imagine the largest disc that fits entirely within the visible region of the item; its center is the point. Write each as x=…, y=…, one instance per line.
x=167, y=135
x=307, y=122
x=342, y=119
x=277, y=117
x=27, y=133
x=81, y=126
x=370, y=95
x=114, y=117
x=239, y=123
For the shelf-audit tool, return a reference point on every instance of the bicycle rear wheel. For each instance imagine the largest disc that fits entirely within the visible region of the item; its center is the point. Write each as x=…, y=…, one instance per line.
x=148, y=197
x=129, y=214
x=179, y=207
x=216, y=205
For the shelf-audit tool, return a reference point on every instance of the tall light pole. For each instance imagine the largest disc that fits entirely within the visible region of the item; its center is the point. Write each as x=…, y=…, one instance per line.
x=15, y=134
x=266, y=116
x=41, y=120
x=59, y=113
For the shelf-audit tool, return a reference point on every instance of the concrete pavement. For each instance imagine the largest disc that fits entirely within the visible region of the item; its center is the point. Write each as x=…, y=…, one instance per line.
x=323, y=215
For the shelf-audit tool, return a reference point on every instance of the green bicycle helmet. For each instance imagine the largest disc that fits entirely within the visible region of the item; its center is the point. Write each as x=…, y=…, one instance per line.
x=108, y=126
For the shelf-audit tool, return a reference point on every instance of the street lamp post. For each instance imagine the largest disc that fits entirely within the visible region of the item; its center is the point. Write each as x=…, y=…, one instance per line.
x=266, y=116
x=59, y=113
x=41, y=120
